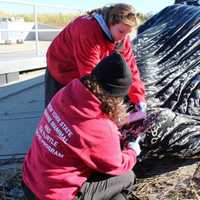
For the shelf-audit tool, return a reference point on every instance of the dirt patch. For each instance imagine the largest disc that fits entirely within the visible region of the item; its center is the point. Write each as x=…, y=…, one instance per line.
x=168, y=179
x=10, y=180
x=163, y=180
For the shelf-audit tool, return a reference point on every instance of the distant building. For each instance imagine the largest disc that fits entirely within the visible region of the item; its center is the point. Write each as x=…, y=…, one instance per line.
x=12, y=24
x=16, y=30
x=11, y=19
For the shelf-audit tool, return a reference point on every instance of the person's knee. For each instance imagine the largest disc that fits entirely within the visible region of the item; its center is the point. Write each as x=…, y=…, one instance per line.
x=130, y=177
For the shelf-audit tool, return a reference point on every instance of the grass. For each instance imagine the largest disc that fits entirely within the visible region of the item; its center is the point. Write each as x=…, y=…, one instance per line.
x=58, y=20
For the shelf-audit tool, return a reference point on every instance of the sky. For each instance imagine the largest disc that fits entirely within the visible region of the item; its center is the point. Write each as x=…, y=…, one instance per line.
x=144, y=6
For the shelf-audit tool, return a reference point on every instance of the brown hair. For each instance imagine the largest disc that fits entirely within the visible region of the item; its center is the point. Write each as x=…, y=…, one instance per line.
x=117, y=13
x=113, y=107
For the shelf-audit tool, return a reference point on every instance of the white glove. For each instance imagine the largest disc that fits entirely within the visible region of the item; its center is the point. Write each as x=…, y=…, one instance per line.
x=135, y=146
x=141, y=106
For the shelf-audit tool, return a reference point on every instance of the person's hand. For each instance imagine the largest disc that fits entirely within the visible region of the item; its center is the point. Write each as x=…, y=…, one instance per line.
x=135, y=146
x=135, y=116
x=139, y=114
x=141, y=106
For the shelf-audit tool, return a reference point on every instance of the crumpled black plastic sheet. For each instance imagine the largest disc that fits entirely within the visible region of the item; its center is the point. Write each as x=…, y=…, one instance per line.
x=167, y=50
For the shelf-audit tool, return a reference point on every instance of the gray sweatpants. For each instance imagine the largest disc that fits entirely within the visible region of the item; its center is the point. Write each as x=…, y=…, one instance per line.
x=104, y=187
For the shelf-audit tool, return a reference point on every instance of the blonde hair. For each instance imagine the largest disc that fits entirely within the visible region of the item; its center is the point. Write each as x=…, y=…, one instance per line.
x=118, y=13
x=113, y=107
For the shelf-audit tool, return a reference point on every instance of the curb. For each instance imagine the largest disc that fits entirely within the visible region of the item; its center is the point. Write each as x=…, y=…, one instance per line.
x=11, y=90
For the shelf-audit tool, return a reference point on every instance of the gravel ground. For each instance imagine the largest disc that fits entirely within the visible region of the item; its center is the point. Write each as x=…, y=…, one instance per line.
x=177, y=180
x=180, y=181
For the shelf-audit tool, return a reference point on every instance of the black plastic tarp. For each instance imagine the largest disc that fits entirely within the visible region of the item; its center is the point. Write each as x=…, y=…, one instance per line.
x=167, y=50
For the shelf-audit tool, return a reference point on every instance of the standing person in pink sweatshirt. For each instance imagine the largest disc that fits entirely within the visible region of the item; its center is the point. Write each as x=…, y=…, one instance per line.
x=75, y=153
x=86, y=41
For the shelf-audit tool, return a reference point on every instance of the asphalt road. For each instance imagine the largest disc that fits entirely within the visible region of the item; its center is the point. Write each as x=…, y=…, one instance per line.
x=22, y=57
x=21, y=51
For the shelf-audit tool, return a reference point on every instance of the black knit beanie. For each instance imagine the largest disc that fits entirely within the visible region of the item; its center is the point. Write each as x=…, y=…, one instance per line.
x=113, y=74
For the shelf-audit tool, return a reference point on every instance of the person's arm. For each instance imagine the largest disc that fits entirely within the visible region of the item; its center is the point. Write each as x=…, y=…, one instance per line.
x=106, y=156
x=137, y=90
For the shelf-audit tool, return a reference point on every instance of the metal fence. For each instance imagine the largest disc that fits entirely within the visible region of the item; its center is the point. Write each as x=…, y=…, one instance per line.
x=30, y=55
x=36, y=30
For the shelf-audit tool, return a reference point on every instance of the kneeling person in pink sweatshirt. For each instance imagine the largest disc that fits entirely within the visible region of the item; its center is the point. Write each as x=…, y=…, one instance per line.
x=75, y=152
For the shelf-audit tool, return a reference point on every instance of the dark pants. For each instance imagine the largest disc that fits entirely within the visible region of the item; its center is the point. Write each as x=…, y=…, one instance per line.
x=51, y=87
x=101, y=187
x=104, y=187
x=27, y=192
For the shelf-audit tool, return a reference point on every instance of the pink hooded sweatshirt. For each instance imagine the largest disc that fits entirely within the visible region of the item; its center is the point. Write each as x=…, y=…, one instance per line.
x=73, y=140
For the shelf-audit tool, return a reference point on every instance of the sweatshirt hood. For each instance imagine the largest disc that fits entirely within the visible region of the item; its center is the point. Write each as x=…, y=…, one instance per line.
x=99, y=18
x=77, y=100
